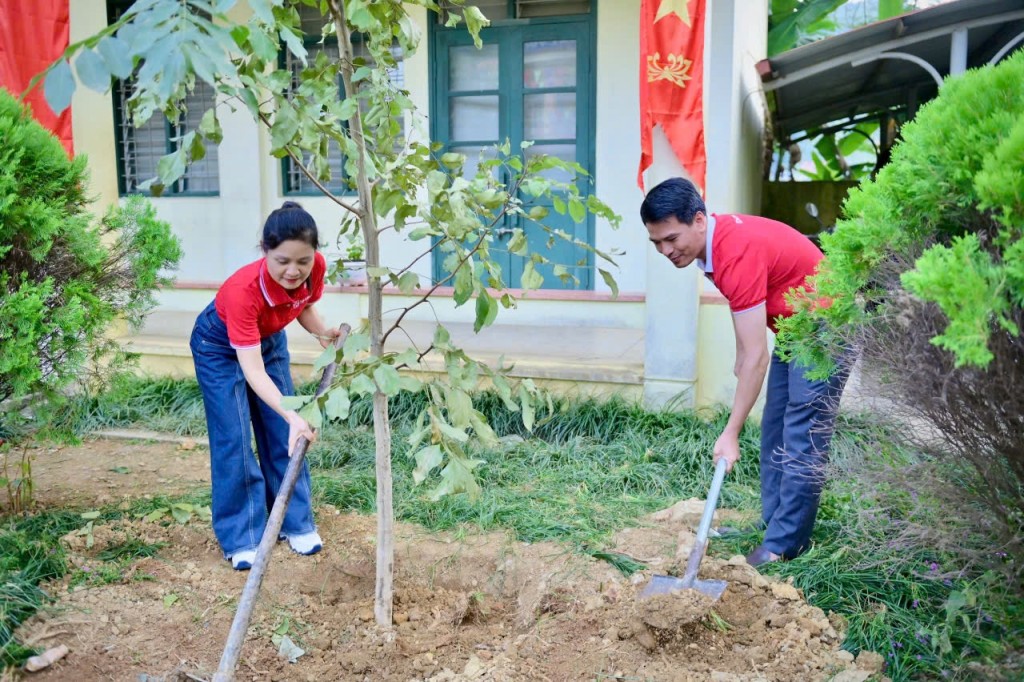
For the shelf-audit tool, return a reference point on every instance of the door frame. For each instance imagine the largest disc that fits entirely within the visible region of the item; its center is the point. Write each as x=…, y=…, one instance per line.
x=587, y=58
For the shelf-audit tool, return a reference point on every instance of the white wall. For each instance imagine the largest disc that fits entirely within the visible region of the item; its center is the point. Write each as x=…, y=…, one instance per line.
x=617, y=141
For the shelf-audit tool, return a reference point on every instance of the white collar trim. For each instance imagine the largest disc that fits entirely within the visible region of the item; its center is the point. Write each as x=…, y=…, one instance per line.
x=707, y=266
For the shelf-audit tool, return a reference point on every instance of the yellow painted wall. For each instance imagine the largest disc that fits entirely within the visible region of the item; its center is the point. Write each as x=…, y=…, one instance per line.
x=92, y=113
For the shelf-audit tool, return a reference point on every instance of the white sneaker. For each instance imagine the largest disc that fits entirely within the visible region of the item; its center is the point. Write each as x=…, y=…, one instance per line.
x=306, y=543
x=243, y=561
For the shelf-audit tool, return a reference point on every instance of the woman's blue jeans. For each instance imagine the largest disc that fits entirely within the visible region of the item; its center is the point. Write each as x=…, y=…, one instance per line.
x=796, y=431
x=244, y=486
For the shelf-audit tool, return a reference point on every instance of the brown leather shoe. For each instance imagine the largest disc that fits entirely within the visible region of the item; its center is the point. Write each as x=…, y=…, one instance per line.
x=760, y=556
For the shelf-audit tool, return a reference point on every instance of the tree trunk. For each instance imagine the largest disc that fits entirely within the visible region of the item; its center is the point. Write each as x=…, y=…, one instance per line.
x=384, y=590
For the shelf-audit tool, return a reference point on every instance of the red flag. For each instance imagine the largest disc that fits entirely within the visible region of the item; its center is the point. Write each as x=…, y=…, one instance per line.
x=33, y=34
x=672, y=82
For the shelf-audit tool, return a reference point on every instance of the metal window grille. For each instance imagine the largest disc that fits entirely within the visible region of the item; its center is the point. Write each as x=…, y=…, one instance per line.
x=295, y=180
x=139, y=149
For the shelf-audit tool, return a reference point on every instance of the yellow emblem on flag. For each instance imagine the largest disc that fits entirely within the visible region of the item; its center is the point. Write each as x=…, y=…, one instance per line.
x=675, y=68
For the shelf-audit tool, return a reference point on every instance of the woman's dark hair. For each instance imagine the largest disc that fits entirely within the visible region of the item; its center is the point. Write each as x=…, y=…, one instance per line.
x=291, y=221
x=674, y=198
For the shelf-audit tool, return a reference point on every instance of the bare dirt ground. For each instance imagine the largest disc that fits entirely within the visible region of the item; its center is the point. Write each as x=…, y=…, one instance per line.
x=467, y=607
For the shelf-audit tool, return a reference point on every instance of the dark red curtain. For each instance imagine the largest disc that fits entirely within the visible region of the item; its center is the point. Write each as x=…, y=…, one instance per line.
x=33, y=34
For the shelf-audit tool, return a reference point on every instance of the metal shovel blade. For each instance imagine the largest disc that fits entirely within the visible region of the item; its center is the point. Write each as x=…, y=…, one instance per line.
x=666, y=584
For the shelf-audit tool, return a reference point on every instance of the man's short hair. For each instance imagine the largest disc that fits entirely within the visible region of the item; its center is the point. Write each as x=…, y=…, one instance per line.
x=674, y=198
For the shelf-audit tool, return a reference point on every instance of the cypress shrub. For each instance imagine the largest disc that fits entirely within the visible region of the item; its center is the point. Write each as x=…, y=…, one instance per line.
x=64, y=276
x=926, y=275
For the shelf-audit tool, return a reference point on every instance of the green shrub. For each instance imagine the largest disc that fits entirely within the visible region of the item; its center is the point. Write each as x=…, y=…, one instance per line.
x=63, y=277
x=926, y=275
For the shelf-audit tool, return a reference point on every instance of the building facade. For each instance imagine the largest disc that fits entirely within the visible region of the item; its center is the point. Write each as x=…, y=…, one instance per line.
x=562, y=73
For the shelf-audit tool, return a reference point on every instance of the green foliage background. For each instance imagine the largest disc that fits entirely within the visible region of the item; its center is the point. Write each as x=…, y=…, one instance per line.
x=63, y=278
x=945, y=216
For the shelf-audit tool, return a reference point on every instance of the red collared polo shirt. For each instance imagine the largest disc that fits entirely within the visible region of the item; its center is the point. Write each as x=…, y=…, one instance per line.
x=253, y=306
x=757, y=260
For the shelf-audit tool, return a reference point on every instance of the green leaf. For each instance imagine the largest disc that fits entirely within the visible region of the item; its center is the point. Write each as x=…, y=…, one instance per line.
x=538, y=213
x=170, y=600
x=427, y=460
x=263, y=9
x=92, y=71
x=531, y=279
x=377, y=271
x=196, y=150
x=362, y=384
x=610, y=281
x=526, y=402
x=453, y=160
x=486, y=311
x=387, y=379
x=294, y=43
x=482, y=429
x=294, y=402
x=209, y=127
x=410, y=384
x=90, y=515
x=442, y=338
x=338, y=403
x=518, y=243
x=311, y=413
x=577, y=211
x=172, y=166
x=59, y=86
x=116, y=55
x=355, y=344
x=286, y=124
x=475, y=20
x=459, y=406
x=156, y=514
x=325, y=358
x=449, y=431
x=180, y=514
x=408, y=282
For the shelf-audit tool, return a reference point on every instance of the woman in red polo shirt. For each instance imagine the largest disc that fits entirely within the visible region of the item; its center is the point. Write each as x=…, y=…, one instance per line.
x=242, y=364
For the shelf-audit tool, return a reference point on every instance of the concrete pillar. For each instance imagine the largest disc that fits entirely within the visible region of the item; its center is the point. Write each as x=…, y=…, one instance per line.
x=672, y=300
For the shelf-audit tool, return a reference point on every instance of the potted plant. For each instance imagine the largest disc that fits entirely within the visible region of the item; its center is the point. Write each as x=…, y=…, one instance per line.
x=353, y=266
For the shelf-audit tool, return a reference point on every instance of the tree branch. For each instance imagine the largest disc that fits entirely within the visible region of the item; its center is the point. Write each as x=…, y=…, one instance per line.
x=305, y=171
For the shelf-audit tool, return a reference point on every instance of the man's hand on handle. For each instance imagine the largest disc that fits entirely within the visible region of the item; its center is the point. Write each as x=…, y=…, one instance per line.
x=727, y=447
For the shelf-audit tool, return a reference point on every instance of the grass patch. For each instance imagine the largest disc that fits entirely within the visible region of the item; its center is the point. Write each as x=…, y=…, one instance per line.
x=595, y=468
x=31, y=554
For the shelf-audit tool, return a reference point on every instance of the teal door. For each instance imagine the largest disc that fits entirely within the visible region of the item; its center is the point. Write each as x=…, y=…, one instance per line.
x=530, y=81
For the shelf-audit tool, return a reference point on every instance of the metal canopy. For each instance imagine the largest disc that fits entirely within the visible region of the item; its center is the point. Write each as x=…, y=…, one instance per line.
x=888, y=66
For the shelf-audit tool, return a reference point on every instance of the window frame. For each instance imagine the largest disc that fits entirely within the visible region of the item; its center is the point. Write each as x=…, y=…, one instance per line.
x=585, y=22
x=286, y=161
x=114, y=7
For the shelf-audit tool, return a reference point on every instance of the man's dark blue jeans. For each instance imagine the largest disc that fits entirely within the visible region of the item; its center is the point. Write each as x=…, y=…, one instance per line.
x=244, y=487
x=796, y=430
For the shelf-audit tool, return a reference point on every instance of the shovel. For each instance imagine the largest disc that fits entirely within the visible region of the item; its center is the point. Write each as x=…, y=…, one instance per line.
x=240, y=624
x=665, y=584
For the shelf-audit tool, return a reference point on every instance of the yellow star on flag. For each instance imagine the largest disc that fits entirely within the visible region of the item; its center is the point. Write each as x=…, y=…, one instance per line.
x=681, y=8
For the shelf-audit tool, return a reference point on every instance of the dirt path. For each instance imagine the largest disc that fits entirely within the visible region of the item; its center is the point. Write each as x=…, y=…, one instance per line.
x=477, y=607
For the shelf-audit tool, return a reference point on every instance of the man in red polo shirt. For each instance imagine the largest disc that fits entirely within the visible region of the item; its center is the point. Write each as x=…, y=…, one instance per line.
x=755, y=262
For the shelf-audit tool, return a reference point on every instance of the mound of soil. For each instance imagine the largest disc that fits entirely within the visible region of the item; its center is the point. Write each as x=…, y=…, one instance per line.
x=467, y=607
